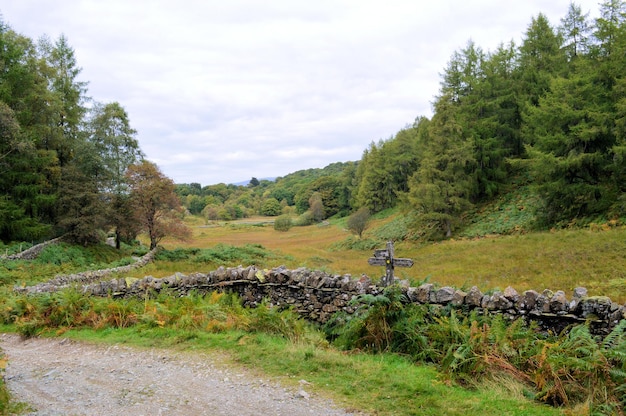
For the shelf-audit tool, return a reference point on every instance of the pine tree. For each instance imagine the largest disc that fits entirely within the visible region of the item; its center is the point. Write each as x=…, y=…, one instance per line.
x=442, y=187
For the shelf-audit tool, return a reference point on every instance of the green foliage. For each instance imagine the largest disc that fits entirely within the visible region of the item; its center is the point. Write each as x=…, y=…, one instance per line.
x=283, y=223
x=442, y=188
x=5, y=396
x=305, y=219
x=513, y=212
x=358, y=221
x=64, y=253
x=271, y=207
x=272, y=320
x=573, y=369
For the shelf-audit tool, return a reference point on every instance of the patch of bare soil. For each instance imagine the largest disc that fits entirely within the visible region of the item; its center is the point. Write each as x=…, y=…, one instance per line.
x=64, y=377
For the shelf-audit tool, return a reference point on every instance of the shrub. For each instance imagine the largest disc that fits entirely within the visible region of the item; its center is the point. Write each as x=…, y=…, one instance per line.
x=271, y=207
x=283, y=223
x=305, y=219
x=357, y=222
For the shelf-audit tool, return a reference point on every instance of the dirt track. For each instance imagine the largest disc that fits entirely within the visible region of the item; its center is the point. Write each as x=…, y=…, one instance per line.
x=63, y=377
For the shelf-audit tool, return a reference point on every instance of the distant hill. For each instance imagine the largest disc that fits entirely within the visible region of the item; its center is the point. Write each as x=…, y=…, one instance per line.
x=244, y=183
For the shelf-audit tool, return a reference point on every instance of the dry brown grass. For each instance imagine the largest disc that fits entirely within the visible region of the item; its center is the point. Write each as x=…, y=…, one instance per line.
x=559, y=260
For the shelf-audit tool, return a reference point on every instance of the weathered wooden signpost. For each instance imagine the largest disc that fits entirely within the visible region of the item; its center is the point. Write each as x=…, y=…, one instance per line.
x=385, y=257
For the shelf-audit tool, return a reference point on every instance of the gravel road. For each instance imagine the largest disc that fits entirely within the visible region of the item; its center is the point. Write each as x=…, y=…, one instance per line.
x=64, y=377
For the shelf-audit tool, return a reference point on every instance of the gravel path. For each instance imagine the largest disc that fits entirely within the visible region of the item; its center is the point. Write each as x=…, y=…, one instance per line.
x=64, y=377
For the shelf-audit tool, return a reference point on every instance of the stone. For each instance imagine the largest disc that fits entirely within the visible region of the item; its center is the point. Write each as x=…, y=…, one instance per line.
x=301, y=394
x=474, y=297
x=411, y=293
x=530, y=299
x=542, y=304
x=595, y=307
x=423, y=292
x=458, y=298
x=499, y=302
x=444, y=295
x=580, y=292
x=511, y=294
x=558, y=302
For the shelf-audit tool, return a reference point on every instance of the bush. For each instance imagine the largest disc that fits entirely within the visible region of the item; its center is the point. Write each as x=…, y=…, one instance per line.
x=305, y=219
x=357, y=222
x=271, y=207
x=283, y=223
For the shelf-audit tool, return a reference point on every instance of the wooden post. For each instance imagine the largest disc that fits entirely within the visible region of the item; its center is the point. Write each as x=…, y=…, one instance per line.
x=387, y=258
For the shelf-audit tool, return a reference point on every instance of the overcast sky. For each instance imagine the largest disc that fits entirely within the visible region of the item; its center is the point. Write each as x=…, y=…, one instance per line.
x=223, y=91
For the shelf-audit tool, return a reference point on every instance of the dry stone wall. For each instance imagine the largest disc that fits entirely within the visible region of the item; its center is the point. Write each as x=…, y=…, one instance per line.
x=63, y=281
x=317, y=295
x=32, y=252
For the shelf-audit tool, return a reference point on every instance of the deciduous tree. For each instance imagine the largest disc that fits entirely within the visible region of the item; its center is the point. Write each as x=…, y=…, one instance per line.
x=357, y=222
x=156, y=206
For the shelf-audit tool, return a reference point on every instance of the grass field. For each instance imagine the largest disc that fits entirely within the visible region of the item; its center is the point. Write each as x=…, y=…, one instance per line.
x=559, y=260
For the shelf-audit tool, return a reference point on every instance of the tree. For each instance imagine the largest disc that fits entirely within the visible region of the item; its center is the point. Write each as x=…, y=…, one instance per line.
x=115, y=142
x=69, y=96
x=29, y=166
x=156, y=206
x=540, y=58
x=442, y=187
x=283, y=223
x=117, y=149
x=81, y=212
x=271, y=207
x=572, y=154
x=358, y=222
x=575, y=31
x=316, y=207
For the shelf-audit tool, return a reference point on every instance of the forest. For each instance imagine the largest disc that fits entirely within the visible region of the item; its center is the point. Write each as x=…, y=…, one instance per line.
x=547, y=117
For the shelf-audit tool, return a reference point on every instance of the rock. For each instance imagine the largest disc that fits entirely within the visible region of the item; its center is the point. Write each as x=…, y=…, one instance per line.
x=301, y=394
x=529, y=300
x=558, y=303
x=595, y=307
x=444, y=295
x=499, y=302
x=511, y=294
x=474, y=297
x=580, y=292
x=423, y=292
x=458, y=298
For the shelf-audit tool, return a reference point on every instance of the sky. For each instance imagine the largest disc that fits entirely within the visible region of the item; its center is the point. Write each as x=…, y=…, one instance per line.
x=223, y=91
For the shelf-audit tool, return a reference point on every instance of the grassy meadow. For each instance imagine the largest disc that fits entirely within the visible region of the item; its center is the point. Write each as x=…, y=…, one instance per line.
x=409, y=365
x=558, y=260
